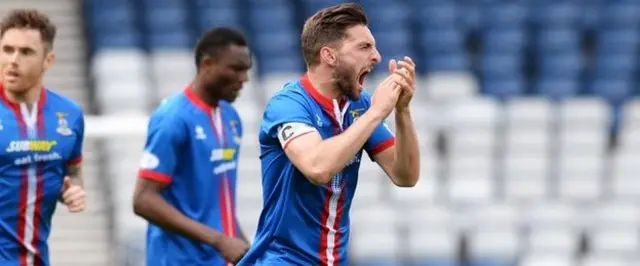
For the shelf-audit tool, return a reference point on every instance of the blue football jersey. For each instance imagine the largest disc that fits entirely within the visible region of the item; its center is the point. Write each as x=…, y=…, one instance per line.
x=303, y=223
x=193, y=148
x=37, y=146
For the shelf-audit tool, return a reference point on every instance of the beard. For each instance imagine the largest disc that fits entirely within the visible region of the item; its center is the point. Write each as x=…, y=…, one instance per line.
x=345, y=80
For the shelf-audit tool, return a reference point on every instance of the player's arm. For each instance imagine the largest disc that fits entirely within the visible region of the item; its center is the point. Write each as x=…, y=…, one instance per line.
x=150, y=205
x=319, y=160
x=74, y=164
x=401, y=160
x=163, y=146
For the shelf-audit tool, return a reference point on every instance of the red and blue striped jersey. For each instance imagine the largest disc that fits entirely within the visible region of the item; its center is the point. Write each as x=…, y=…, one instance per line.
x=193, y=148
x=302, y=223
x=36, y=146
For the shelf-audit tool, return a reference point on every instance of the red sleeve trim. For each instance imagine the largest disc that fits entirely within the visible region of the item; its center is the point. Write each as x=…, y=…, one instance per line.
x=155, y=176
x=291, y=140
x=76, y=160
x=382, y=146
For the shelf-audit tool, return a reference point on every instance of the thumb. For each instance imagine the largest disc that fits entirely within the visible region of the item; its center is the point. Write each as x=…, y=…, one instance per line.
x=66, y=183
x=393, y=65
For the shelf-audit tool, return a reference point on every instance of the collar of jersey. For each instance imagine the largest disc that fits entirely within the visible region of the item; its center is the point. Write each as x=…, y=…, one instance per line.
x=195, y=100
x=16, y=106
x=324, y=101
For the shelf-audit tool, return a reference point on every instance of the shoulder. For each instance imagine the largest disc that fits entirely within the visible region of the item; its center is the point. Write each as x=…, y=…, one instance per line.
x=171, y=111
x=65, y=103
x=292, y=95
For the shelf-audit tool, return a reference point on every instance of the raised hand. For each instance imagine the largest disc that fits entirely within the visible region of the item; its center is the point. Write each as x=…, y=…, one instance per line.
x=73, y=196
x=406, y=69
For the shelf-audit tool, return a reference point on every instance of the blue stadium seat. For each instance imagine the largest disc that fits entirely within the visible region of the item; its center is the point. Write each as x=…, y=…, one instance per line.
x=469, y=15
x=123, y=39
x=280, y=63
x=624, y=40
x=615, y=65
x=388, y=16
x=272, y=18
x=613, y=90
x=501, y=65
x=620, y=13
x=590, y=15
x=170, y=40
x=259, y=4
x=215, y=3
x=491, y=262
x=558, y=40
x=393, y=45
x=557, y=88
x=504, y=40
x=433, y=262
x=445, y=62
x=221, y=16
x=435, y=16
x=268, y=42
x=504, y=87
x=445, y=40
x=111, y=18
x=564, y=65
x=556, y=13
x=503, y=14
x=312, y=6
x=169, y=18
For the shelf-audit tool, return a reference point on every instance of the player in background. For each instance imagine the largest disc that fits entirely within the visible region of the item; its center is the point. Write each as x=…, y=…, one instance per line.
x=312, y=137
x=41, y=141
x=186, y=185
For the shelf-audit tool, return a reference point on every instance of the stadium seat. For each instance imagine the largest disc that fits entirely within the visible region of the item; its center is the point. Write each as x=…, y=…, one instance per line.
x=433, y=240
x=526, y=176
x=566, y=65
x=270, y=18
x=172, y=70
x=558, y=40
x=557, y=89
x=597, y=260
x=614, y=230
x=624, y=40
x=442, y=87
x=367, y=234
x=615, y=65
x=442, y=40
x=446, y=62
x=503, y=14
x=547, y=260
x=387, y=16
x=218, y=16
x=431, y=16
x=312, y=6
x=511, y=40
x=501, y=65
x=625, y=184
x=556, y=13
x=493, y=236
x=612, y=90
x=504, y=88
x=620, y=13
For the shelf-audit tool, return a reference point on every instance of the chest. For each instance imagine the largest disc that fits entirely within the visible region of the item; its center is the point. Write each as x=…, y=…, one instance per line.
x=43, y=138
x=215, y=141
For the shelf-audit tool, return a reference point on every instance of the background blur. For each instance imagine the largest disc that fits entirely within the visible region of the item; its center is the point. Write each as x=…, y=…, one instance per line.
x=525, y=110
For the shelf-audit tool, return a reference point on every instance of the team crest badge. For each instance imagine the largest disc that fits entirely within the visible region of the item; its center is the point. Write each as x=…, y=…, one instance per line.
x=355, y=114
x=234, y=129
x=63, y=125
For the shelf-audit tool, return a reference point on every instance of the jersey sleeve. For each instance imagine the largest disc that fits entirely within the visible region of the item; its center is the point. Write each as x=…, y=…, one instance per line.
x=164, y=140
x=76, y=153
x=286, y=118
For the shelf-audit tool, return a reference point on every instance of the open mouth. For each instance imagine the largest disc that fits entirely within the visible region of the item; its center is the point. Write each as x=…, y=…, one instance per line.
x=362, y=76
x=11, y=74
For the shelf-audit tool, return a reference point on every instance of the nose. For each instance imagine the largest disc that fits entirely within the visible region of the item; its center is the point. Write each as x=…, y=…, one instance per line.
x=243, y=76
x=376, y=57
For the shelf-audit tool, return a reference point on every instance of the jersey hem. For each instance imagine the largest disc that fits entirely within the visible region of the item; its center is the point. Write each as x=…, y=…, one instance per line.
x=75, y=161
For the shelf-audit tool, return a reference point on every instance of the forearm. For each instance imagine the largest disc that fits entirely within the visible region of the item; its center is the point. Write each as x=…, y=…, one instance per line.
x=331, y=155
x=153, y=208
x=406, y=165
x=74, y=172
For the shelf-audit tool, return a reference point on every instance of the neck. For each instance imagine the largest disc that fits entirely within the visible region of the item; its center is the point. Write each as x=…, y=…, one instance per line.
x=322, y=80
x=200, y=91
x=28, y=97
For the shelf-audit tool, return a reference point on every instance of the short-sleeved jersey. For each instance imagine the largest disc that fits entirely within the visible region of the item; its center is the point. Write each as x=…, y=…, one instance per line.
x=193, y=148
x=36, y=146
x=303, y=223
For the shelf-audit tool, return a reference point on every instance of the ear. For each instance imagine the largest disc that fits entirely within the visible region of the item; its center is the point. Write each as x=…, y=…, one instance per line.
x=207, y=62
x=49, y=60
x=328, y=55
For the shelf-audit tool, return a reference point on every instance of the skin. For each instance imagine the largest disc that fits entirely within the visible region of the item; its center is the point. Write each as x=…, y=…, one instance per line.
x=338, y=75
x=218, y=78
x=24, y=58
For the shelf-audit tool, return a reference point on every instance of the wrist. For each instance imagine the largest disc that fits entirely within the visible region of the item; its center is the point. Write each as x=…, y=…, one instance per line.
x=373, y=115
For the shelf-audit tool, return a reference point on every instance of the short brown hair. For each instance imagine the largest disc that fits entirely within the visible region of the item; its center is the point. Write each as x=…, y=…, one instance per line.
x=30, y=19
x=328, y=26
